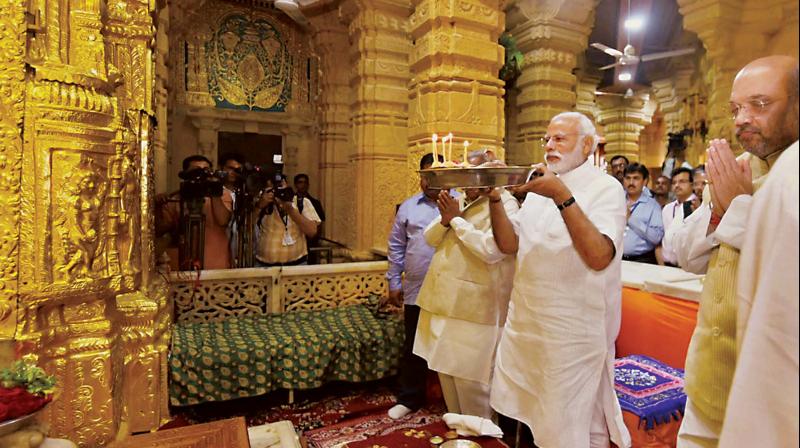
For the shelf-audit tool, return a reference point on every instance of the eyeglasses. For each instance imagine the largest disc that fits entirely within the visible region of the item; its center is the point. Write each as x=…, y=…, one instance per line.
x=682, y=181
x=558, y=138
x=752, y=107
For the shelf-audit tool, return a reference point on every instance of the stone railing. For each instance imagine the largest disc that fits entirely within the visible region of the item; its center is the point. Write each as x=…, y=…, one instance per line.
x=218, y=294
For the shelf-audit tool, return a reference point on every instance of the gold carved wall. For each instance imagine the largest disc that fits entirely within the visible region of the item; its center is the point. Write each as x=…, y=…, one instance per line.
x=76, y=151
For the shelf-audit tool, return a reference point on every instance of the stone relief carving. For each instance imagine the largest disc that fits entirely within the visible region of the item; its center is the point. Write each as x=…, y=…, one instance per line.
x=79, y=219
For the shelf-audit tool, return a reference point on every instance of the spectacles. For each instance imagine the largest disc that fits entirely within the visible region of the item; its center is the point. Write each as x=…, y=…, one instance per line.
x=752, y=107
x=558, y=138
x=682, y=181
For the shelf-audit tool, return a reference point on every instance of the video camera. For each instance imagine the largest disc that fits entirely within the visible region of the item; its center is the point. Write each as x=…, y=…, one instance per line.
x=256, y=177
x=200, y=183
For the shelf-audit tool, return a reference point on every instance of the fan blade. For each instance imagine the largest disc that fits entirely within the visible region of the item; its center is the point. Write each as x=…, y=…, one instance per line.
x=607, y=50
x=606, y=67
x=666, y=54
x=607, y=93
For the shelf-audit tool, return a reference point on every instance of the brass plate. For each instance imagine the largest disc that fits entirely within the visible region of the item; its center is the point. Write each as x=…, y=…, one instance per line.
x=460, y=443
x=498, y=176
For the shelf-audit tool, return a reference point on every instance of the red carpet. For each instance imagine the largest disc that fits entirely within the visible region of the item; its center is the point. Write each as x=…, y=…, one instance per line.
x=420, y=438
x=378, y=424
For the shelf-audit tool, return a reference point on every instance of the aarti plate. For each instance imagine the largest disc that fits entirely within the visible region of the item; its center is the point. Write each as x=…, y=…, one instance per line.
x=476, y=177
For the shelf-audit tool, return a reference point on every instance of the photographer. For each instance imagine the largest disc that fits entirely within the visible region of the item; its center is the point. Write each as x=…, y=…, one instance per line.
x=282, y=228
x=173, y=210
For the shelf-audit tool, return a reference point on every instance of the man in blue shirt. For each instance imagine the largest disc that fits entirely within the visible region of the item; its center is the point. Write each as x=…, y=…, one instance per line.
x=409, y=253
x=645, y=227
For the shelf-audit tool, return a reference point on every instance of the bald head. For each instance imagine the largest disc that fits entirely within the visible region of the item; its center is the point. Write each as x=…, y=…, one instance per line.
x=764, y=101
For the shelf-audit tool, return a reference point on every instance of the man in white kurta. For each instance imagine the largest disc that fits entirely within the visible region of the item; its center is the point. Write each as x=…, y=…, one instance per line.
x=763, y=403
x=554, y=369
x=464, y=300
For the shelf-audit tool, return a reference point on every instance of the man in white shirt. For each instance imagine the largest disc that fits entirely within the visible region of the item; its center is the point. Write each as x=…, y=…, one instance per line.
x=681, y=207
x=554, y=369
x=763, y=403
x=464, y=298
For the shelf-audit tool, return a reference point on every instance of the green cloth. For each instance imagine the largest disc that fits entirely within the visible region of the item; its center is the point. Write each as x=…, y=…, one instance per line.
x=253, y=355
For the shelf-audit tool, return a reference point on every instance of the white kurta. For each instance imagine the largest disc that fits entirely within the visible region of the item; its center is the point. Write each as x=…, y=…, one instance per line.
x=555, y=360
x=460, y=347
x=763, y=403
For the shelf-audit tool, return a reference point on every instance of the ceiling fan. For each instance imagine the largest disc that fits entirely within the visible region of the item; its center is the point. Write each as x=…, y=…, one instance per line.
x=628, y=55
x=629, y=93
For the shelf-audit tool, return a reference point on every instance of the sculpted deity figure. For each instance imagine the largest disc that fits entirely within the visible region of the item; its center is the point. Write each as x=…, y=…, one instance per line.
x=86, y=190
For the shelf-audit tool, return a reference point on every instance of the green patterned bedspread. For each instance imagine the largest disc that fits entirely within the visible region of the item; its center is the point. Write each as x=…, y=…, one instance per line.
x=253, y=355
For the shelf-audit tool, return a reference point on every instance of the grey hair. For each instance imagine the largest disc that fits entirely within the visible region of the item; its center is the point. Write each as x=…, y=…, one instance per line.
x=587, y=129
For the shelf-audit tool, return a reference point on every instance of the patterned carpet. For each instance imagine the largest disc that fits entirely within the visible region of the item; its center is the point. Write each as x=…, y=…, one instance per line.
x=374, y=425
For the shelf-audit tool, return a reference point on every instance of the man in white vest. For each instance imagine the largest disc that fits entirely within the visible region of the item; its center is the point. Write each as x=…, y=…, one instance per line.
x=464, y=298
x=555, y=361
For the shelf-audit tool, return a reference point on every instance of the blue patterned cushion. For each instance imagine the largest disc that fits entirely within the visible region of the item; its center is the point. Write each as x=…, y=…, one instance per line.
x=649, y=389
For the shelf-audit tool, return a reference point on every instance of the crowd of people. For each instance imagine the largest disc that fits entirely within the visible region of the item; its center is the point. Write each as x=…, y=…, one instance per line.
x=238, y=219
x=517, y=307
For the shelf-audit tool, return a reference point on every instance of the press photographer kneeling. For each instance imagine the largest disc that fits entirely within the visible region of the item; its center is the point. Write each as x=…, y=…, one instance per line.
x=282, y=228
x=195, y=218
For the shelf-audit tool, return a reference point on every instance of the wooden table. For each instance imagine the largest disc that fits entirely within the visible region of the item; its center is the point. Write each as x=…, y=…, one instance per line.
x=230, y=433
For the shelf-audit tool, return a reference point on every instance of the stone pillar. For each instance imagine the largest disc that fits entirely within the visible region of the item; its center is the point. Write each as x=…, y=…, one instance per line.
x=207, y=138
x=551, y=37
x=455, y=87
x=379, y=117
x=330, y=38
x=622, y=120
x=733, y=34
x=82, y=227
x=12, y=103
x=585, y=98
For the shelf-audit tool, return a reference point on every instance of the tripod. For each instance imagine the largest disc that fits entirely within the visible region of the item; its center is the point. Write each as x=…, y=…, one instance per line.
x=191, y=242
x=244, y=222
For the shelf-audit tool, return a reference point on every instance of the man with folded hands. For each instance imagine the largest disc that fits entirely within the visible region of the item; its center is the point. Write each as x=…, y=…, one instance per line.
x=464, y=298
x=555, y=362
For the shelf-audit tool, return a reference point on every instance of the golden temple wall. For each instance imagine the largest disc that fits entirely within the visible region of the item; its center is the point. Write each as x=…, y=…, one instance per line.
x=77, y=82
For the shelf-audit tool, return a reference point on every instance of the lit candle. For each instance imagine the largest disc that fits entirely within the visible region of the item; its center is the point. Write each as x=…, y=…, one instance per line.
x=434, y=137
x=444, y=149
x=450, y=146
x=466, y=144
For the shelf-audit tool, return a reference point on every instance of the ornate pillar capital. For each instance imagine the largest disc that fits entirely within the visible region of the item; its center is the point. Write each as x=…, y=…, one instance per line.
x=622, y=120
x=550, y=35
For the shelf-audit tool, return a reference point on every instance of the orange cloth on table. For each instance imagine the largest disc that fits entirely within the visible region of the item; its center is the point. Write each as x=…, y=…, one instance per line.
x=656, y=326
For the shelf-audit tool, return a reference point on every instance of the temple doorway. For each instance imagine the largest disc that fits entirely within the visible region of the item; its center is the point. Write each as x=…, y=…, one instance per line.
x=258, y=149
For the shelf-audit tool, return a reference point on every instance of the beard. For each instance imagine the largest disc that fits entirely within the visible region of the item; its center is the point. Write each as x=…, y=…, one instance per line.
x=755, y=141
x=566, y=162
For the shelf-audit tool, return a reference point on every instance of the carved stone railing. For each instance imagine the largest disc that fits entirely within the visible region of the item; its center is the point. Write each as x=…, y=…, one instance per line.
x=218, y=294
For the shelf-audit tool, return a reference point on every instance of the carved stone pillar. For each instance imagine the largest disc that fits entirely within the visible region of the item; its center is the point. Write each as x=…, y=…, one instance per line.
x=330, y=38
x=550, y=37
x=207, y=137
x=379, y=117
x=733, y=34
x=12, y=94
x=455, y=88
x=622, y=120
x=585, y=98
x=82, y=210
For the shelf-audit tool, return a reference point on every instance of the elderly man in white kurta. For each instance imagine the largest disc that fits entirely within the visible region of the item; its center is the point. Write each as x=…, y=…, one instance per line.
x=554, y=369
x=464, y=298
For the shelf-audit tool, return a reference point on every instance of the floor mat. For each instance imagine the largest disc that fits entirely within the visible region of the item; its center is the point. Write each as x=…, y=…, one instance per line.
x=379, y=424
